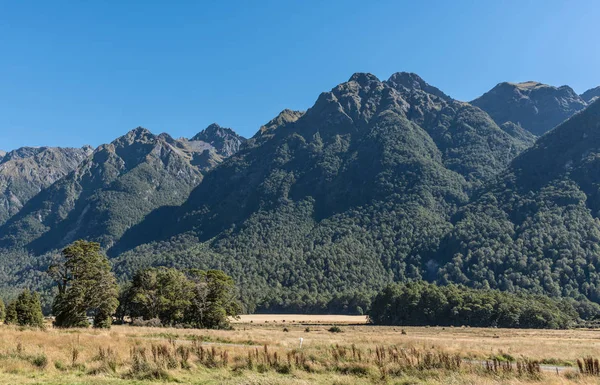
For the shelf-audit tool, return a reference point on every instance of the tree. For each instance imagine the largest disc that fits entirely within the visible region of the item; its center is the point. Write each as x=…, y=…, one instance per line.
x=85, y=285
x=26, y=310
x=29, y=309
x=214, y=299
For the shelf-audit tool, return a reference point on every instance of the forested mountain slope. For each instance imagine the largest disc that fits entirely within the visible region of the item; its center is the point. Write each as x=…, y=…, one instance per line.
x=537, y=226
x=28, y=170
x=534, y=106
x=346, y=197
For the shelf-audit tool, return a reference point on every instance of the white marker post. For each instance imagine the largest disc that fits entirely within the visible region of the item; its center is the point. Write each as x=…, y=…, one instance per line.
x=301, y=340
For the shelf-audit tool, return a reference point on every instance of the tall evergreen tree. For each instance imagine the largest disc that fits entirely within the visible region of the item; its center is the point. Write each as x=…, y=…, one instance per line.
x=29, y=309
x=26, y=310
x=85, y=285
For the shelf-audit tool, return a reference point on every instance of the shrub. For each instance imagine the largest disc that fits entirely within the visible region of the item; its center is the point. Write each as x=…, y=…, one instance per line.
x=59, y=365
x=335, y=329
x=40, y=361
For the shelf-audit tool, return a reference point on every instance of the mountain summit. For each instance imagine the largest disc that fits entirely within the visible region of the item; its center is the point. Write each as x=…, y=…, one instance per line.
x=226, y=141
x=534, y=106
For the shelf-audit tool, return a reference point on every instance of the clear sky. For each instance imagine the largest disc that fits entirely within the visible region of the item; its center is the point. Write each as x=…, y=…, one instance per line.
x=85, y=72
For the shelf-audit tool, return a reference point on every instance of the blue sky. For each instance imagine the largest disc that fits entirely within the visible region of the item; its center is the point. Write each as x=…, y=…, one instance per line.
x=85, y=72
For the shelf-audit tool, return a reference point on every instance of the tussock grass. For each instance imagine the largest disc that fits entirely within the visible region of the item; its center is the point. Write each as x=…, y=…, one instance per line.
x=359, y=355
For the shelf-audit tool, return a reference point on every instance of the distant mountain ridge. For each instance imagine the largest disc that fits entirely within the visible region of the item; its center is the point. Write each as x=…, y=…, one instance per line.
x=26, y=171
x=532, y=105
x=113, y=189
x=591, y=95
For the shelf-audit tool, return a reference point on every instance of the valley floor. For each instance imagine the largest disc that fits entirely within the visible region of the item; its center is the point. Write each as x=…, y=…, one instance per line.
x=270, y=353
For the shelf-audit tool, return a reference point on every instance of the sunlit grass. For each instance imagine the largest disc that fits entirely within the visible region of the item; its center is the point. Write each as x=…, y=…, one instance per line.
x=265, y=353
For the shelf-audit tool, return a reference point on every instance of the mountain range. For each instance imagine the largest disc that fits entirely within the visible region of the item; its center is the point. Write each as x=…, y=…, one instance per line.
x=27, y=171
x=379, y=181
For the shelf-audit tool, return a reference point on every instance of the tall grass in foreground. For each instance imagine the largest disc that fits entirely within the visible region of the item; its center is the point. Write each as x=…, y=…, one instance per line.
x=358, y=355
x=162, y=361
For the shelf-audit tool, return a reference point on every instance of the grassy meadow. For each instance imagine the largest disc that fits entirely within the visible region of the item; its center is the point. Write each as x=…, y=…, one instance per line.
x=266, y=350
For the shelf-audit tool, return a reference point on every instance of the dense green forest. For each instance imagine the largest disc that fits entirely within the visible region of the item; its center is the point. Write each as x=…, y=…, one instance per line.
x=536, y=227
x=86, y=288
x=421, y=303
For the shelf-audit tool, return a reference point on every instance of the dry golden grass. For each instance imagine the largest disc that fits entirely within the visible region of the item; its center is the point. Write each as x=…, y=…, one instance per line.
x=301, y=318
x=88, y=356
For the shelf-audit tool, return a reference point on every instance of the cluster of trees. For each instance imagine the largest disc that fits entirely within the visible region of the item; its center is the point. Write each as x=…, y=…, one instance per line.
x=25, y=310
x=87, y=288
x=193, y=298
x=422, y=303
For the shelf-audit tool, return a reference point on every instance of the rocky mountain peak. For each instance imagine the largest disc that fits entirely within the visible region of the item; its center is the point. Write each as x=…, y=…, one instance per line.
x=535, y=106
x=22, y=153
x=403, y=81
x=363, y=78
x=591, y=95
x=138, y=134
x=225, y=140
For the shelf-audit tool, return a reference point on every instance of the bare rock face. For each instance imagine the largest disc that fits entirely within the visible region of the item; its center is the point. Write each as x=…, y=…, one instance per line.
x=24, y=172
x=591, y=95
x=225, y=141
x=534, y=106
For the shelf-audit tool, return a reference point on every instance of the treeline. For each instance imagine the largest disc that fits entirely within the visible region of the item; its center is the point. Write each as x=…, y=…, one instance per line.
x=87, y=290
x=422, y=303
